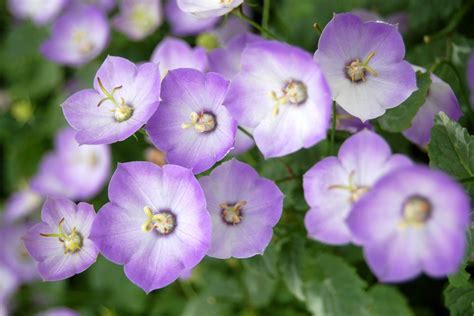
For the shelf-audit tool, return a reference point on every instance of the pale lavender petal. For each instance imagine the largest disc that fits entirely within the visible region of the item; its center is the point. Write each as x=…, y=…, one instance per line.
x=184, y=24
x=78, y=36
x=138, y=18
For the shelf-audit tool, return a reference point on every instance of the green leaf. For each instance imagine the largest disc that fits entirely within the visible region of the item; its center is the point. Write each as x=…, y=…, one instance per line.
x=460, y=300
x=451, y=149
x=260, y=277
x=460, y=278
x=399, y=118
x=332, y=287
x=386, y=300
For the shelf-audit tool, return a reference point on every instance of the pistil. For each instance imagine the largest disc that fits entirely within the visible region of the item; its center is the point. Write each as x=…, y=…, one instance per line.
x=72, y=241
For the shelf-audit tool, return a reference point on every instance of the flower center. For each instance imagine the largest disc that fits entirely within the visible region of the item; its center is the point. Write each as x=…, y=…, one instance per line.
x=82, y=42
x=122, y=111
x=72, y=241
x=142, y=17
x=203, y=122
x=416, y=211
x=294, y=92
x=356, y=70
x=232, y=212
x=355, y=191
x=164, y=222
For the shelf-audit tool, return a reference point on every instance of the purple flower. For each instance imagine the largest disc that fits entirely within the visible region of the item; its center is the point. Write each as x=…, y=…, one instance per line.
x=123, y=99
x=59, y=311
x=8, y=284
x=334, y=184
x=73, y=171
x=139, y=18
x=349, y=123
x=243, y=142
x=282, y=93
x=172, y=53
x=14, y=255
x=88, y=167
x=244, y=208
x=21, y=204
x=227, y=61
x=440, y=98
x=363, y=63
x=184, y=24
x=231, y=27
x=414, y=220
x=191, y=125
x=60, y=243
x=40, y=12
x=78, y=37
x=208, y=8
x=156, y=223
x=470, y=76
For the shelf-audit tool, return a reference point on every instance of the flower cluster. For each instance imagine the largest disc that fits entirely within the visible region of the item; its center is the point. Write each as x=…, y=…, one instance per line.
x=199, y=107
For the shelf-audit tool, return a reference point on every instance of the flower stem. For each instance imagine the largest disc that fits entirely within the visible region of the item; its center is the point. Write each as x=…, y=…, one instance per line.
x=239, y=12
x=452, y=25
x=266, y=13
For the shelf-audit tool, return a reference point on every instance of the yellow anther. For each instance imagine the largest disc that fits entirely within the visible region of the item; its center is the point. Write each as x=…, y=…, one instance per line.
x=202, y=122
x=356, y=69
x=232, y=214
x=164, y=222
x=294, y=92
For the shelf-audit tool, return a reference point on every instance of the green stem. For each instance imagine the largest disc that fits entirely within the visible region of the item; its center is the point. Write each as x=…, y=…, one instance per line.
x=243, y=130
x=238, y=12
x=266, y=13
x=452, y=25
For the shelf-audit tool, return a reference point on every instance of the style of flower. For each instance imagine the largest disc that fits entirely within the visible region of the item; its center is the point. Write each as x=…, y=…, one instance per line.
x=414, y=220
x=172, y=53
x=282, y=93
x=185, y=24
x=40, y=12
x=208, y=8
x=192, y=126
x=363, y=63
x=156, y=223
x=334, y=184
x=244, y=207
x=73, y=171
x=138, y=18
x=77, y=37
x=60, y=243
x=123, y=99
x=440, y=98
